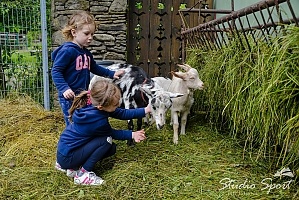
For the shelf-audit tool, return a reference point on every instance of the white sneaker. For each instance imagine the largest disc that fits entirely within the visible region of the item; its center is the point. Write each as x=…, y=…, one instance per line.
x=88, y=178
x=71, y=173
x=58, y=167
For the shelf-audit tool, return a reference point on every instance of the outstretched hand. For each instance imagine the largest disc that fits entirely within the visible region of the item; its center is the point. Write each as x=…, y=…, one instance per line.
x=138, y=136
x=118, y=73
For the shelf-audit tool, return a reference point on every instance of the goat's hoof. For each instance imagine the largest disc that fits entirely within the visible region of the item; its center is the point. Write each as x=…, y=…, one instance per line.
x=175, y=142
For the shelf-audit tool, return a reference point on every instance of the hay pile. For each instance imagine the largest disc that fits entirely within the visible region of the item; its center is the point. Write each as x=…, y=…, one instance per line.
x=29, y=134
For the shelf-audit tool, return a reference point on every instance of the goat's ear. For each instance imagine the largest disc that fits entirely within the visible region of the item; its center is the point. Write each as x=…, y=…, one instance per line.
x=180, y=75
x=185, y=67
x=175, y=95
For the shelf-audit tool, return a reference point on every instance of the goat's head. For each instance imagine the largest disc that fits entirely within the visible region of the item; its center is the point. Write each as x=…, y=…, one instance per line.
x=190, y=77
x=160, y=102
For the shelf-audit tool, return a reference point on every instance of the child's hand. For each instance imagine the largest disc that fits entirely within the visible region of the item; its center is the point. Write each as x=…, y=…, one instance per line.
x=118, y=73
x=69, y=94
x=148, y=109
x=138, y=136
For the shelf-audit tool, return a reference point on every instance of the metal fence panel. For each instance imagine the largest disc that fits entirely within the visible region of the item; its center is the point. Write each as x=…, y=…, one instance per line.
x=20, y=51
x=259, y=21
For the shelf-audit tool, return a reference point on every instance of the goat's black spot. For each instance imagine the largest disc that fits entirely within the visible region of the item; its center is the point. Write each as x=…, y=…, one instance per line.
x=124, y=89
x=153, y=101
x=122, y=65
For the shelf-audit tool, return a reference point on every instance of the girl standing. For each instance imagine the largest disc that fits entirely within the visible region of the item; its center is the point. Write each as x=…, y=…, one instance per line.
x=73, y=62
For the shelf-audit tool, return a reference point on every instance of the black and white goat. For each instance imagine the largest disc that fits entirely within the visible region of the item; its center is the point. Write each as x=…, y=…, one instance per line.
x=139, y=90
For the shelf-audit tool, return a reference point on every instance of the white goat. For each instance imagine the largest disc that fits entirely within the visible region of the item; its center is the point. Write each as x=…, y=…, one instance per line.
x=185, y=83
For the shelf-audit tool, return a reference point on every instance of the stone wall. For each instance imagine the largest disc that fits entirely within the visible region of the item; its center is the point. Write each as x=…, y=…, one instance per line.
x=109, y=40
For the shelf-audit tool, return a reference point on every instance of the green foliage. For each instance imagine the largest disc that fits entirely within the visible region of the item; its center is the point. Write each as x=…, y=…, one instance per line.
x=32, y=37
x=24, y=74
x=17, y=14
x=21, y=62
x=20, y=3
x=254, y=95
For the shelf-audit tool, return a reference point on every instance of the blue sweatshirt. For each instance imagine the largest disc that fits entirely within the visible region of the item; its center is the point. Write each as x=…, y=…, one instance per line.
x=90, y=122
x=72, y=66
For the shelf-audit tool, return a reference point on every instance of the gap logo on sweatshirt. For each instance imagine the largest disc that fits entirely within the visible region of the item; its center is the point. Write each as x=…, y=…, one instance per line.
x=82, y=63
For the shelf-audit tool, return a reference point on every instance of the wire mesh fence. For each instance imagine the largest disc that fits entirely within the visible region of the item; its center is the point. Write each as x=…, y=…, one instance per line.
x=20, y=51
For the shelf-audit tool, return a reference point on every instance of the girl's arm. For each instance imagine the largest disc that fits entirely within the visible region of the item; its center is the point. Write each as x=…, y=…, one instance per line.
x=61, y=62
x=127, y=114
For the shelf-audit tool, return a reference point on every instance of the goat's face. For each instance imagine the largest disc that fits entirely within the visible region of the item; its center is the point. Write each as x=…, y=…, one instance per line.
x=160, y=102
x=193, y=80
x=190, y=77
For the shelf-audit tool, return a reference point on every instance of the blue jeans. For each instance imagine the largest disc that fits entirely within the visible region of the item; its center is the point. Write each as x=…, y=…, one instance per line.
x=65, y=105
x=88, y=155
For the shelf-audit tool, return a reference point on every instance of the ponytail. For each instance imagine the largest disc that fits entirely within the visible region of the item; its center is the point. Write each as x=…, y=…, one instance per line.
x=80, y=101
x=103, y=92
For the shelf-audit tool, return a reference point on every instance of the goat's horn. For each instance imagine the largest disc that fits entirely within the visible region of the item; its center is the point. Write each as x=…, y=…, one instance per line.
x=185, y=67
x=176, y=74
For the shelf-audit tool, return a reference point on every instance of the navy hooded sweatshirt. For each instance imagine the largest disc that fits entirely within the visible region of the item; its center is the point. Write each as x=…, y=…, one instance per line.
x=72, y=66
x=90, y=122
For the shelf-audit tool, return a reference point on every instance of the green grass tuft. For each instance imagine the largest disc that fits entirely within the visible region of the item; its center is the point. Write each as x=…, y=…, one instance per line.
x=254, y=95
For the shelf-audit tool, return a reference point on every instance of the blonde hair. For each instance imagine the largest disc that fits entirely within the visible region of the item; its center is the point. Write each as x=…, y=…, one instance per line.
x=103, y=92
x=76, y=22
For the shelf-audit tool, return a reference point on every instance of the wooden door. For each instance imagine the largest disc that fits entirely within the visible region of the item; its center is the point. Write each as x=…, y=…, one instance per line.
x=154, y=41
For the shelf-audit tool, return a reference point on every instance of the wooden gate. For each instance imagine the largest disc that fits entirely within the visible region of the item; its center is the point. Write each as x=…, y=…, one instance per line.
x=154, y=41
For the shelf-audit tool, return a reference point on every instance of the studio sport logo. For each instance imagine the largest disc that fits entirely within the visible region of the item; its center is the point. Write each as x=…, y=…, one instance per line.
x=266, y=184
